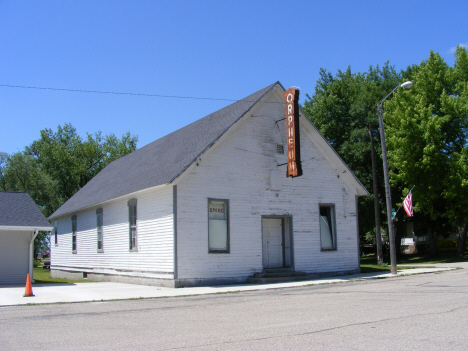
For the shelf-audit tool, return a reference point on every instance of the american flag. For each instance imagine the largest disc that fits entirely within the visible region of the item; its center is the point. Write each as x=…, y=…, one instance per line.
x=408, y=204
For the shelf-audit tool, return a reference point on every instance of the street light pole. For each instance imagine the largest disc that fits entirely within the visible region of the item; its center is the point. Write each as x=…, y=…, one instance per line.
x=388, y=194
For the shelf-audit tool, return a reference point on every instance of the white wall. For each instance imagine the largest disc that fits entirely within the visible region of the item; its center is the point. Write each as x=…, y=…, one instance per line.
x=154, y=258
x=14, y=256
x=238, y=168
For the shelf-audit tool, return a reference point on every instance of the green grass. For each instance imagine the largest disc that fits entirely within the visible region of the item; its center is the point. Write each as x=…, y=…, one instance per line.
x=375, y=268
x=369, y=262
x=42, y=276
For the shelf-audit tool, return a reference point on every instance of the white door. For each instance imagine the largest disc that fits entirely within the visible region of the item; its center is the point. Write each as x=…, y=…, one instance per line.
x=272, y=243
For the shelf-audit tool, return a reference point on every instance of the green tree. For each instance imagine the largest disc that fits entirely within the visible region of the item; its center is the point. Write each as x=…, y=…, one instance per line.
x=21, y=172
x=427, y=131
x=342, y=108
x=57, y=165
x=73, y=162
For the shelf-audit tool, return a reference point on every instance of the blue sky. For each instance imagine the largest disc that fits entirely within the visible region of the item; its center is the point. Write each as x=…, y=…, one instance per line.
x=214, y=49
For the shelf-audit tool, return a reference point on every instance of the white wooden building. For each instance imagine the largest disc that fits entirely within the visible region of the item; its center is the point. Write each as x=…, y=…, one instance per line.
x=211, y=204
x=20, y=221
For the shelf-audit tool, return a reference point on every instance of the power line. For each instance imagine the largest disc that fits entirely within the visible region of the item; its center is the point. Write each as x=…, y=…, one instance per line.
x=118, y=93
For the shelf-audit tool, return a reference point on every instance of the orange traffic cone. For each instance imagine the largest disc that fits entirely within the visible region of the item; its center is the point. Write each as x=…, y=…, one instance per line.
x=28, y=291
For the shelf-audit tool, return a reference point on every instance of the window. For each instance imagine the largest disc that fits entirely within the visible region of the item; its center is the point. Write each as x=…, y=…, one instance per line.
x=327, y=227
x=99, y=221
x=132, y=219
x=74, y=234
x=55, y=233
x=218, y=226
x=279, y=149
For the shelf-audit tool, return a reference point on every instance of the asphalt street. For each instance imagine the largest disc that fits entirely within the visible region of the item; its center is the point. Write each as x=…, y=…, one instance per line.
x=419, y=312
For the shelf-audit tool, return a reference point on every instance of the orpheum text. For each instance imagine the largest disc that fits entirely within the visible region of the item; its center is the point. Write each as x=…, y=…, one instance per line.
x=291, y=98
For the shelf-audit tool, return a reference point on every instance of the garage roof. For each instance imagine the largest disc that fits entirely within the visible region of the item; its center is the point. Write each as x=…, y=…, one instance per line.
x=19, y=211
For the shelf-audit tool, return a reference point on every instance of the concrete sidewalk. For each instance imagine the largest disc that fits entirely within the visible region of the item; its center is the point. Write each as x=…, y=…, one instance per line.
x=107, y=291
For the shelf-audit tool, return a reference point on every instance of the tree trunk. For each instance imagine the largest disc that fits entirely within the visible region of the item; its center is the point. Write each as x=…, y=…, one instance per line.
x=432, y=243
x=462, y=241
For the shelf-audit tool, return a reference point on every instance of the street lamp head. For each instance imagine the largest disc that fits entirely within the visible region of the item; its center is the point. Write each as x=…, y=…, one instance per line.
x=408, y=84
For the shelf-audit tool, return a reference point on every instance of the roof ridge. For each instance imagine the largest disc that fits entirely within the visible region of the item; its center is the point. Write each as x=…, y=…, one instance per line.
x=163, y=160
x=210, y=114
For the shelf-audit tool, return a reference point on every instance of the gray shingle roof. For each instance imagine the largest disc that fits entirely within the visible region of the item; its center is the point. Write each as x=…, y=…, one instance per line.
x=19, y=210
x=161, y=161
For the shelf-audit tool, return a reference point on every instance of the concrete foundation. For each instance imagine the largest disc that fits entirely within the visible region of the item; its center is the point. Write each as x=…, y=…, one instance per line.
x=167, y=283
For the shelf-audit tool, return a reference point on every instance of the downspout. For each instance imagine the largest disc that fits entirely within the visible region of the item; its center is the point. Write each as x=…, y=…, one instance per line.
x=31, y=253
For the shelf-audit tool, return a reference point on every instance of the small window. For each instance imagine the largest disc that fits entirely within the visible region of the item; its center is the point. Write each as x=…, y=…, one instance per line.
x=74, y=234
x=279, y=149
x=55, y=234
x=132, y=219
x=99, y=230
x=218, y=226
x=327, y=227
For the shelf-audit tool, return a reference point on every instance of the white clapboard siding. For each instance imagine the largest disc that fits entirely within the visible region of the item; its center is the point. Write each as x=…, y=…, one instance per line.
x=14, y=256
x=155, y=255
x=238, y=168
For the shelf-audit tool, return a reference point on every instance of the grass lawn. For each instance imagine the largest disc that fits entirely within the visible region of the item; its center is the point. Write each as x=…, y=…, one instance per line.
x=369, y=262
x=42, y=276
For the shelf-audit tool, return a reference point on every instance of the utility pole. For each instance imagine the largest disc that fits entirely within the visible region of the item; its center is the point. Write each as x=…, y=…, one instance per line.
x=388, y=193
x=378, y=236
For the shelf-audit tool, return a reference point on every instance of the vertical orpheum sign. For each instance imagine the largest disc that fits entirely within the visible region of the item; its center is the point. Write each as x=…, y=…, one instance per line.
x=291, y=98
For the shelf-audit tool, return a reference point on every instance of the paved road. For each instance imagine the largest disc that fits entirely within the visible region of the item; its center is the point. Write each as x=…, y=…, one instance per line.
x=422, y=312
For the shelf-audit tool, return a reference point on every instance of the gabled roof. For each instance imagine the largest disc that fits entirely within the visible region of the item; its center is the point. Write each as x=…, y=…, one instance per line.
x=161, y=161
x=19, y=210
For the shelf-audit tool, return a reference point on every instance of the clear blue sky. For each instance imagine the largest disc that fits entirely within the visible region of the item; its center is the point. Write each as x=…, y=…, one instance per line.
x=216, y=49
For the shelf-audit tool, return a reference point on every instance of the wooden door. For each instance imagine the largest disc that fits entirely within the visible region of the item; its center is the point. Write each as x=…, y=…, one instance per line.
x=272, y=242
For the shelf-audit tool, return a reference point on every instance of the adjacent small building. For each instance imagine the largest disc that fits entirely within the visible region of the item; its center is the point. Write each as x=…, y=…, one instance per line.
x=211, y=204
x=20, y=222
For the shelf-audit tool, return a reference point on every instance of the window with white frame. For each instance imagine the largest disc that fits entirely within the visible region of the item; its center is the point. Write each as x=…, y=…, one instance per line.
x=327, y=227
x=55, y=234
x=218, y=226
x=99, y=224
x=74, y=234
x=132, y=219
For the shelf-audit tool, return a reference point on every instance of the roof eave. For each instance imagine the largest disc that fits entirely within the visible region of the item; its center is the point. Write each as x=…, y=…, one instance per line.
x=54, y=216
x=26, y=228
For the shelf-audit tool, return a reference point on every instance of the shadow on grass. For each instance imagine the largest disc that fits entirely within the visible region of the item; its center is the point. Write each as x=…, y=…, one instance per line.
x=444, y=257
x=365, y=269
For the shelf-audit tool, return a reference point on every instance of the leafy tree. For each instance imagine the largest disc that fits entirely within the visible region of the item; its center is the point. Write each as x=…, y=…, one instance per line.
x=73, y=162
x=342, y=108
x=57, y=165
x=22, y=173
x=427, y=133
x=3, y=161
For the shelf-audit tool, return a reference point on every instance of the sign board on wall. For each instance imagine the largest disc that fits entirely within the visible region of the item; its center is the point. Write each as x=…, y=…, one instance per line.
x=291, y=98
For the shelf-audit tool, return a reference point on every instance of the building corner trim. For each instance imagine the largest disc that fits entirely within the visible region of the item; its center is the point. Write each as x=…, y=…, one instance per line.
x=174, y=216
